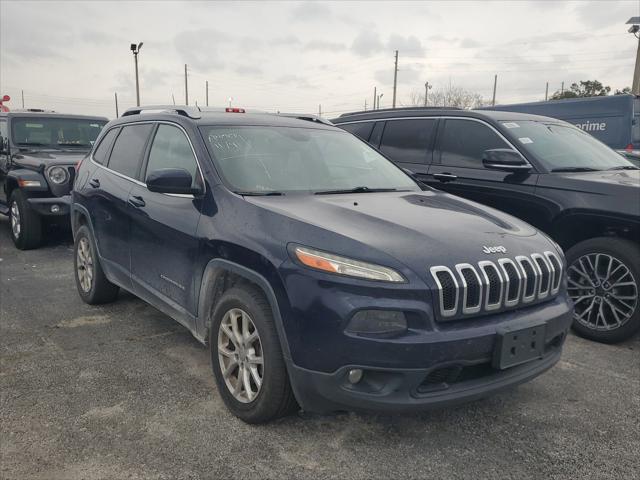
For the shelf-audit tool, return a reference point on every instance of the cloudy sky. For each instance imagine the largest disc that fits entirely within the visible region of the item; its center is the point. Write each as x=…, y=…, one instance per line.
x=293, y=56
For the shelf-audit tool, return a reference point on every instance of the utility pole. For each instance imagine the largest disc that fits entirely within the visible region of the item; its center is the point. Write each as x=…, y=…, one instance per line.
x=186, y=86
x=173, y=98
x=395, y=80
x=546, y=93
x=22, y=91
x=426, y=93
x=365, y=104
x=375, y=96
x=115, y=94
x=635, y=30
x=495, y=85
x=319, y=110
x=207, y=91
x=135, y=49
x=562, y=89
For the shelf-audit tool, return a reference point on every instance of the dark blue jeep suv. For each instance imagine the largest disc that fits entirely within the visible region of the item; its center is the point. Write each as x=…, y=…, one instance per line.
x=318, y=273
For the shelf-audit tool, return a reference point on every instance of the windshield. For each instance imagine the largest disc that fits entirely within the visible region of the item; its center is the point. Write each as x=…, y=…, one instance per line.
x=563, y=147
x=285, y=159
x=53, y=132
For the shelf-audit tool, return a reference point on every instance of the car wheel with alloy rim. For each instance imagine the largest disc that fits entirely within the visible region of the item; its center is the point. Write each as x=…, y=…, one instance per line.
x=93, y=285
x=603, y=277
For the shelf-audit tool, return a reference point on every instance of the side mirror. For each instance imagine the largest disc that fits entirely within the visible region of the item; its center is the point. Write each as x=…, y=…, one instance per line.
x=506, y=160
x=171, y=180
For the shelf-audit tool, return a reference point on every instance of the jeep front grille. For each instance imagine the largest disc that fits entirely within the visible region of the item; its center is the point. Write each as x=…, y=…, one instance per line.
x=468, y=289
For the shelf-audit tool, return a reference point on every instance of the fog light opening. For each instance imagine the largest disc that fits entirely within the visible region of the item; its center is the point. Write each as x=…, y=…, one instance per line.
x=55, y=208
x=355, y=375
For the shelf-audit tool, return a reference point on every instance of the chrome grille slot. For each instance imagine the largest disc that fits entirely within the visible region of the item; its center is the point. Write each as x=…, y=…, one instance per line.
x=544, y=283
x=530, y=279
x=471, y=288
x=556, y=271
x=513, y=282
x=493, y=281
x=447, y=290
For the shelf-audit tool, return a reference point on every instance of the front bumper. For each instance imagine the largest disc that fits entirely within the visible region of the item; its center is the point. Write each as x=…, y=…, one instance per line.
x=43, y=206
x=445, y=382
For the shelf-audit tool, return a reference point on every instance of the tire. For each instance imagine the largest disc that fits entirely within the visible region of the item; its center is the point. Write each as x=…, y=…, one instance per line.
x=24, y=222
x=91, y=282
x=607, y=305
x=274, y=397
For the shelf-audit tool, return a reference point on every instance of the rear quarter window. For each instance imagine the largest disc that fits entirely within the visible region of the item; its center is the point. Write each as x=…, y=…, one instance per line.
x=102, y=150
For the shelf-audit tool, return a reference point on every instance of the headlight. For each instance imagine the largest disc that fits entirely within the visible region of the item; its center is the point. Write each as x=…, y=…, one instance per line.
x=330, y=263
x=58, y=175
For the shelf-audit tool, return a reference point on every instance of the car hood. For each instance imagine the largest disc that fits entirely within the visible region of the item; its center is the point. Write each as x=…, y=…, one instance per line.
x=594, y=182
x=413, y=227
x=36, y=159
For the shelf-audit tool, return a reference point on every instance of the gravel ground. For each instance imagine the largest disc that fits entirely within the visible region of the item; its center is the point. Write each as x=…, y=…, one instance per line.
x=122, y=391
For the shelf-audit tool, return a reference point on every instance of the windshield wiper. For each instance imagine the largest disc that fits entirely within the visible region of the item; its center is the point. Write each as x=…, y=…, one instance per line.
x=258, y=194
x=362, y=189
x=624, y=167
x=33, y=144
x=576, y=169
x=71, y=144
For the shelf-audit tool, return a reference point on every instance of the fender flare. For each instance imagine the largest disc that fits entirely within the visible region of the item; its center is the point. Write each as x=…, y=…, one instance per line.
x=209, y=278
x=26, y=174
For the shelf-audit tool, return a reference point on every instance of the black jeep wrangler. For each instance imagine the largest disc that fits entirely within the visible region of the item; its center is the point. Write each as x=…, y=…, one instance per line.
x=38, y=154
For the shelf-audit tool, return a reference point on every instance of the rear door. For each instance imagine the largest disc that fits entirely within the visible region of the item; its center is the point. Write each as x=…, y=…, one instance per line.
x=458, y=169
x=108, y=193
x=409, y=143
x=164, y=245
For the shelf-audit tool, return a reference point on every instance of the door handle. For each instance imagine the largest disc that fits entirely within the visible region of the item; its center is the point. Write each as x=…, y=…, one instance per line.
x=94, y=182
x=137, y=201
x=445, y=177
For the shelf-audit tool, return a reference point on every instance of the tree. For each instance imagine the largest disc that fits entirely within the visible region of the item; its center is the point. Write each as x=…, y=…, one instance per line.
x=624, y=91
x=450, y=96
x=586, y=88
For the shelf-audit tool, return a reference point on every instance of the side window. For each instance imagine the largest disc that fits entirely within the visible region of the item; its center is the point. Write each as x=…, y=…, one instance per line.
x=129, y=148
x=102, y=150
x=408, y=140
x=4, y=134
x=464, y=141
x=171, y=149
x=362, y=129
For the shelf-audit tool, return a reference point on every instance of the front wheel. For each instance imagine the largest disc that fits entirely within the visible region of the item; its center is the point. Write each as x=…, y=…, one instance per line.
x=247, y=359
x=26, y=225
x=604, y=278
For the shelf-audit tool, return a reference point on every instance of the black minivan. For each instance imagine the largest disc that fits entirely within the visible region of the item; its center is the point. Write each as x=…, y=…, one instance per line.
x=317, y=271
x=544, y=171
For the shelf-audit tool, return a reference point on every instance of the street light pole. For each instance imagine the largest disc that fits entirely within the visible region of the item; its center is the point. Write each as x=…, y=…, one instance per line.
x=427, y=87
x=635, y=30
x=135, y=49
x=379, y=97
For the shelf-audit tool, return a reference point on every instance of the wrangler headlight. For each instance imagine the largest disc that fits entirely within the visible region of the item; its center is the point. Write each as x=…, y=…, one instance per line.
x=58, y=175
x=330, y=263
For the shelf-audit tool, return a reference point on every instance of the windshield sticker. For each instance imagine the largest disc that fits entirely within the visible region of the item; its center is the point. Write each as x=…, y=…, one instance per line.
x=94, y=125
x=34, y=125
x=525, y=140
x=511, y=125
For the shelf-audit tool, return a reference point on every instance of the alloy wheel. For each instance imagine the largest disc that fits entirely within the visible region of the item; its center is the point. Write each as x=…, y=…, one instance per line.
x=240, y=355
x=84, y=264
x=15, y=220
x=604, y=291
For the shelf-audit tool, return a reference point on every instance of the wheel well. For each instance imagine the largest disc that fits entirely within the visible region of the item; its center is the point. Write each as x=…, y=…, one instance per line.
x=10, y=186
x=570, y=230
x=224, y=280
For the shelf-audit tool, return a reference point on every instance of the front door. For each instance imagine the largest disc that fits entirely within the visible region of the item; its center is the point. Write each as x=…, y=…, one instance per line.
x=4, y=159
x=164, y=246
x=458, y=169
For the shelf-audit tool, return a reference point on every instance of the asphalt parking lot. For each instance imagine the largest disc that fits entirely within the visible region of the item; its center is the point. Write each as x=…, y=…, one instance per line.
x=122, y=391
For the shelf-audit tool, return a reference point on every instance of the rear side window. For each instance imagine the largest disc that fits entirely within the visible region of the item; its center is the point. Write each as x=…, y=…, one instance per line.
x=102, y=150
x=463, y=143
x=362, y=129
x=129, y=148
x=171, y=149
x=408, y=140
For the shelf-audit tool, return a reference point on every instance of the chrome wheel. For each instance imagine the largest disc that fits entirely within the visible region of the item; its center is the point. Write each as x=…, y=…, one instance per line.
x=84, y=265
x=604, y=291
x=15, y=220
x=240, y=355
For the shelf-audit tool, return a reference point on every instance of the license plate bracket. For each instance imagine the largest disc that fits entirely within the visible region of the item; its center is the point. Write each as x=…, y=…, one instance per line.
x=517, y=345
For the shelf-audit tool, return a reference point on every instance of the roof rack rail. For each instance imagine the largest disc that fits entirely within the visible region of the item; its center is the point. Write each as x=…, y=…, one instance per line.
x=305, y=116
x=404, y=109
x=184, y=110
